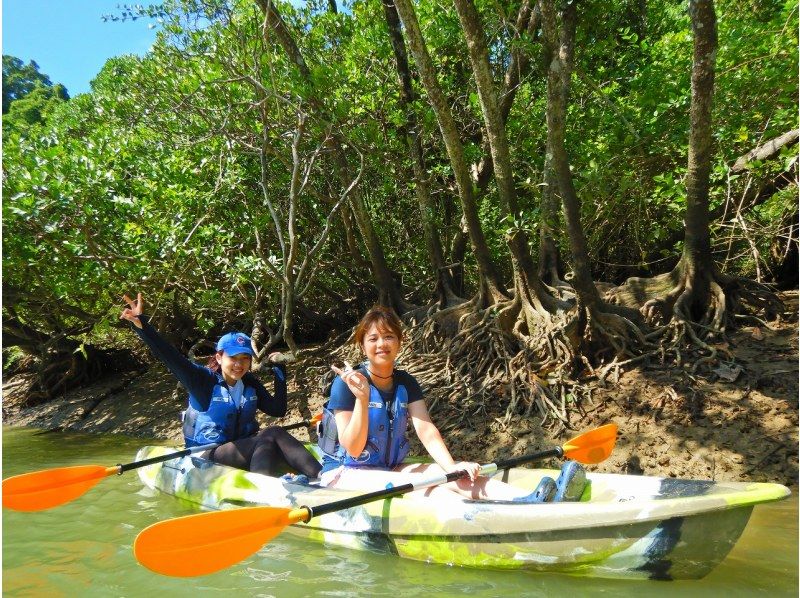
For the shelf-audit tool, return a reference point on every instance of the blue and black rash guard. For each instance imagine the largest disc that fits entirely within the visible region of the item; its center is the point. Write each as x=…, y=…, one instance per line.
x=200, y=381
x=343, y=399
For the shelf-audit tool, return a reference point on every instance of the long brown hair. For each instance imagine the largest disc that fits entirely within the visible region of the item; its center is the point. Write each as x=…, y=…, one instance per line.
x=384, y=317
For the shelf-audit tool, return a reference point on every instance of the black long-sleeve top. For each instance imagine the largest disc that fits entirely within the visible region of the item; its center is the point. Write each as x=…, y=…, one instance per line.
x=200, y=380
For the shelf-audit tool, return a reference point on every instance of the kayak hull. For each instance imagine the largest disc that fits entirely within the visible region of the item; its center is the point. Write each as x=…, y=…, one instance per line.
x=625, y=526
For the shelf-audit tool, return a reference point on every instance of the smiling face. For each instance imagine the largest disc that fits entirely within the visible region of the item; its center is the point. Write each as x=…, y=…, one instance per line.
x=381, y=346
x=233, y=367
x=379, y=335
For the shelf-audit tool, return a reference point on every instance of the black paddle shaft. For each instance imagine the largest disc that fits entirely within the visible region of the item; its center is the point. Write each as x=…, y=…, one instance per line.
x=295, y=426
x=362, y=499
x=177, y=455
x=513, y=461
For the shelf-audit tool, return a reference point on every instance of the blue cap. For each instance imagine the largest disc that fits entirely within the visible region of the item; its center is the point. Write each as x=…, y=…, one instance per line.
x=235, y=343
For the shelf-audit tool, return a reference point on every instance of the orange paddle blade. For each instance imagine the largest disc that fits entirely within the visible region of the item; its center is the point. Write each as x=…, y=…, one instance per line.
x=593, y=446
x=208, y=542
x=40, y=490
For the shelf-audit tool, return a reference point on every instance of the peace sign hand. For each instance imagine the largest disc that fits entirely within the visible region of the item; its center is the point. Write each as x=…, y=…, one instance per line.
x=355, y=380
x=133, y=311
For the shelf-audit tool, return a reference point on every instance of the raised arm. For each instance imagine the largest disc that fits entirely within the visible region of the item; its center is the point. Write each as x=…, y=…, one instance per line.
x=274, y=405
x=197, y=379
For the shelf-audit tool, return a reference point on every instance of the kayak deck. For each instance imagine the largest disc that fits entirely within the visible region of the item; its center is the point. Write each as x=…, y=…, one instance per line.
x=625, y=526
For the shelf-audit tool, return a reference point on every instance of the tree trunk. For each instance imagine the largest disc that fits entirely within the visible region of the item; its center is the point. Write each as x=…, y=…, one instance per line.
x=458, y=252
x=695, y=292
x=560, y=53
x=697, y=241
x=550, y=265
x=289, y=304
x=599, y=331
x=351, y=240
x=528, y=19
x=388, y=293
x=494, y=123
x=518, y=65
x=387, y=288
x=490, y=277
x=445, y=287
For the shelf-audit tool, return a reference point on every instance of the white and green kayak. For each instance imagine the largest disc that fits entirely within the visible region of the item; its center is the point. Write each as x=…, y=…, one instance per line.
x=625, y=526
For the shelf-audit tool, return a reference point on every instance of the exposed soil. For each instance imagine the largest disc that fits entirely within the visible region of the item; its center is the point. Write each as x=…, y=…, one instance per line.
x=735, y=422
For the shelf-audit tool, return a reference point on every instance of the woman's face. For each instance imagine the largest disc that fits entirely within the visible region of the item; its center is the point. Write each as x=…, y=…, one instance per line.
x=381, y=346
x=233, y=367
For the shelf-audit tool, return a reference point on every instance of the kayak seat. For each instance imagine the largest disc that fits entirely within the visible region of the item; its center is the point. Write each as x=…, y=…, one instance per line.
x=571, y=482
x=544, y=492
x=569, y=487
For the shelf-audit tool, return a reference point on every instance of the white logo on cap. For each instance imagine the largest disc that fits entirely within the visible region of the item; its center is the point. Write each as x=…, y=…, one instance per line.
x=240, y=340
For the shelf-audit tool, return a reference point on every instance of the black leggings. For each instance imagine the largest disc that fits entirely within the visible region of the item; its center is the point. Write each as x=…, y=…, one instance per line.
x=272, y=452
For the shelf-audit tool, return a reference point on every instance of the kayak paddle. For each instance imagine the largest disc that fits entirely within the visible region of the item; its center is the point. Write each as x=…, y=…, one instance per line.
x=48, y=488
x=207, y=542
x=304, y=424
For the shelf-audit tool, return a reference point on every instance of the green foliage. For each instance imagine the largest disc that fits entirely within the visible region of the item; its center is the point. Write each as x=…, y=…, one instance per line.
x=628, y=121
x=28, y=95
x=153, y=181
x=20, y=79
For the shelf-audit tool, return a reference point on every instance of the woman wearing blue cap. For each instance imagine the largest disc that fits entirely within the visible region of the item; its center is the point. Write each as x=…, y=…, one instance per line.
x=224, y=397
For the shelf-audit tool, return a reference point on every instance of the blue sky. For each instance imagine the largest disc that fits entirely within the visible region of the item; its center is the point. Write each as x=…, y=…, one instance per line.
x=68, y=39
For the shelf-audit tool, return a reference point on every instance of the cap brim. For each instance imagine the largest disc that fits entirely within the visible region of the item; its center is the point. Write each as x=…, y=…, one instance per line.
x=238, y=351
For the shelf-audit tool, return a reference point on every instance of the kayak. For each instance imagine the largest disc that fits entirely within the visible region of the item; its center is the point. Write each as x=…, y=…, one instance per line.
x=624, y=526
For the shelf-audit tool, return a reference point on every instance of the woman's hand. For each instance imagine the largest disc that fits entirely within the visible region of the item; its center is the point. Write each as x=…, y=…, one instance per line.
x=355, y=380
x=133, y=311
x=473, y=469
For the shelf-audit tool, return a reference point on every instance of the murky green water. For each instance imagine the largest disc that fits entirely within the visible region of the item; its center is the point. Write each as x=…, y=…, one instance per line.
x=84, y=548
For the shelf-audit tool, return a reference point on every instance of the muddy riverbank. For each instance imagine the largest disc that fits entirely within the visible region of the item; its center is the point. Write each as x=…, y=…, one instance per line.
x=735, y=422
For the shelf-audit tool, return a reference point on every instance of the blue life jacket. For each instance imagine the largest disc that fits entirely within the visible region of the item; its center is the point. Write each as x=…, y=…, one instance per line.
x=387, y=444
x=224, y=420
